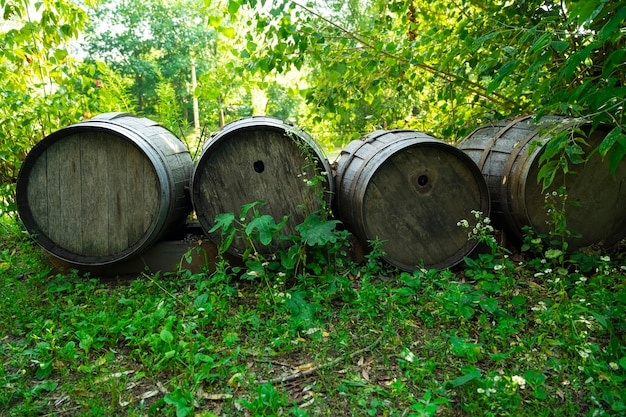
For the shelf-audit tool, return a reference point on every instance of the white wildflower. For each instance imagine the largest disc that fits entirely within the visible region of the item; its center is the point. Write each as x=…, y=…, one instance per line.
x=519, y=381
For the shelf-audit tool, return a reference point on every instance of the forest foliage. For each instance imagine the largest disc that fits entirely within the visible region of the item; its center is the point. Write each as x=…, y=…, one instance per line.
x=338, y=69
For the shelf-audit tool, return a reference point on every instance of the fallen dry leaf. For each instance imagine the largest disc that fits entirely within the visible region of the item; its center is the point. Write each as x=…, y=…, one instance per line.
x=235, y=380
x=218, y=397
x=149, y=394
x=305, y=367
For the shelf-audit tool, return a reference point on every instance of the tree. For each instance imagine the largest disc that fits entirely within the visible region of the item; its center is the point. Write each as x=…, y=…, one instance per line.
x=153, y=41
x=444, y=66
x=41, y=85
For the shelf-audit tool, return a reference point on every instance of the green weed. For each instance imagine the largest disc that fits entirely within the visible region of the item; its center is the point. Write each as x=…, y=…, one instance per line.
x=308, y=332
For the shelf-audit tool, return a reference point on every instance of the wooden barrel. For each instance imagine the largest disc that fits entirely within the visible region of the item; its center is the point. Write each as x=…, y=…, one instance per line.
x=260, y=159
x=103, y=190
x=508, y=153
x=410, y=190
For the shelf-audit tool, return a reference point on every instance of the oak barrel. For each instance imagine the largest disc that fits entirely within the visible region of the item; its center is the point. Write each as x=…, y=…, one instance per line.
x=260, y=159
x=409, y=190
x=103, y=190
x=508, y=153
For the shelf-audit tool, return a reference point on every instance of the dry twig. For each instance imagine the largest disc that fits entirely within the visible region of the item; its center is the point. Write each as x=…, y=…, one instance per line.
x=299, y=374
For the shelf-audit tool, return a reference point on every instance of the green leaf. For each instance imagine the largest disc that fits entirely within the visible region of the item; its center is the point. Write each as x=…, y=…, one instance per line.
x=609, y=140
x=553, y=253
x=489, y=304
x=166, y=336
x=183, y=401
x=233, y=6
x=613, y=62
x=559, y=46
x=223, y=220
x=572, y=63
x=227, y=31
x=246, y=208
x=464, y=379
x=540, y=43
x=264, y=228
x=45, y=370
x=60, y=54
x=44, y=386
x=547, y=173
x=585, y=11
x=611, y=28
x=617, y=155
x=316, y=231
x=574, y=153
x=502, y=73
x=534, y=378
x=603, y=321
x=289, y=259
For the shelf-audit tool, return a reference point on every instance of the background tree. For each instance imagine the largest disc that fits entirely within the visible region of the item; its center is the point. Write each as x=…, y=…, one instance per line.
x=443, y=66
x=154, y=42
x=41, y=85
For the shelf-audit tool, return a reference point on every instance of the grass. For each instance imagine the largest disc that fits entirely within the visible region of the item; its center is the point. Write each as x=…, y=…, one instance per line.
x=503, y=334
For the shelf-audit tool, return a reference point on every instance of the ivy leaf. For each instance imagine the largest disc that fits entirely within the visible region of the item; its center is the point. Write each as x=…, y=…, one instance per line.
x=265, y=227
x=316, y=231
x=246, y=208
x=223, y=220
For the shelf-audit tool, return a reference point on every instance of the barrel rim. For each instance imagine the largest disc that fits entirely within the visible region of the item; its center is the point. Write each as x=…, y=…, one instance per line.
x=256, y=123
x=120, y=130
x=359, y=185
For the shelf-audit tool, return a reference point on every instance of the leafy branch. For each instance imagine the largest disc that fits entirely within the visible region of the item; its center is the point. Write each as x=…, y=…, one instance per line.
x=467, y=84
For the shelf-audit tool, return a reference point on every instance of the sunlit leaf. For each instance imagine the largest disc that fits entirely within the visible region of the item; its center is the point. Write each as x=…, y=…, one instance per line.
x=166, y=336
x=317, y=231
x=223, y=221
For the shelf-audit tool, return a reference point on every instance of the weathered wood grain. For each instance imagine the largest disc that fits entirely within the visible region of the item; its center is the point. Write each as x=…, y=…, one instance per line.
x=509, y=151
x=256, y=160
x=410, y=190
x=103, y=190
